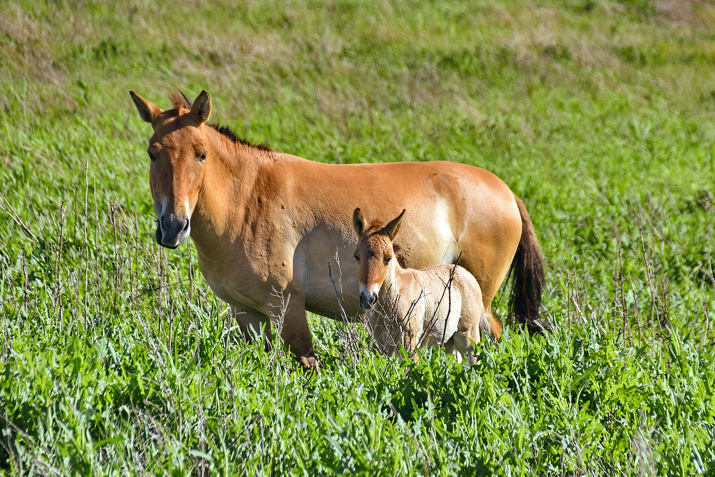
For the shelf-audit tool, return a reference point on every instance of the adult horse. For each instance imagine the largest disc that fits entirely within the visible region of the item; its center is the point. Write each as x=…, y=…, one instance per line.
x=266, y=222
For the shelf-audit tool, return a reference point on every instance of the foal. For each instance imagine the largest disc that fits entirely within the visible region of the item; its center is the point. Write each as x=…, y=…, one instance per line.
x=440, y=305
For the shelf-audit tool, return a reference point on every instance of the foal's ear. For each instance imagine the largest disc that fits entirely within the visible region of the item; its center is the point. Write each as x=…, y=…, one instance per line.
x=201, y=109
x=358, y=222
x=394, y=226
x=147, y=110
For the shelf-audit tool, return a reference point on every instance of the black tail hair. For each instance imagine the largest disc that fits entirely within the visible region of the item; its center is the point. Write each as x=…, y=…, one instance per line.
x=528, y=277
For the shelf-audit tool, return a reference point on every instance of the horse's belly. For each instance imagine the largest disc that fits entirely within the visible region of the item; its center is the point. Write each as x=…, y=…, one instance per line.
x=327, y=273
x=230, y=282
x=321, y=297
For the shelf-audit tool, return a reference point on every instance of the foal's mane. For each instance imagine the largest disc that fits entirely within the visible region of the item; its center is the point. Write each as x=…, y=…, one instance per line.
x=179, y=100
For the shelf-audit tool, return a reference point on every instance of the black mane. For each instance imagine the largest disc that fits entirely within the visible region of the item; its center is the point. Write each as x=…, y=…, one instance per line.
x=179, y=100
x=226, y=131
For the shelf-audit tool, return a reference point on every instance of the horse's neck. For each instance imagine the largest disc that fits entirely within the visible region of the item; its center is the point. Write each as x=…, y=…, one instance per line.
x=228, y=182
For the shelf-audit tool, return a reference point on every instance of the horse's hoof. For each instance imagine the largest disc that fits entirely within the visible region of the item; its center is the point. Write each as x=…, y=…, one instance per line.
x=308, y=362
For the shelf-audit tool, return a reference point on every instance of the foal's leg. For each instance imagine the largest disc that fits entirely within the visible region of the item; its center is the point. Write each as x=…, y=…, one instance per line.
x=451, y=348
x=465, y=339
x=412, y=334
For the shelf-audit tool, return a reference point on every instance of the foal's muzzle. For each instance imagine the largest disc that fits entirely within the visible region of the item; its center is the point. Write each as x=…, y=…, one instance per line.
x=367, y=300
x=172, y=230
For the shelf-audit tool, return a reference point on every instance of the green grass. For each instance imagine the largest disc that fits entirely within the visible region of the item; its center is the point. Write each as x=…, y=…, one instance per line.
x=117, y=359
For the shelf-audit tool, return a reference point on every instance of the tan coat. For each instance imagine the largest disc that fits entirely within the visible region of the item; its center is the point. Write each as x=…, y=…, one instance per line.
x=436, y=306
x=266, y=222
x=428, y=312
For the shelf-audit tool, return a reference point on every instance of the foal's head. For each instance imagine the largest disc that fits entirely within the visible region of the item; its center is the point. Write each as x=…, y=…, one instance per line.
x=375, y=254
x=177, y=151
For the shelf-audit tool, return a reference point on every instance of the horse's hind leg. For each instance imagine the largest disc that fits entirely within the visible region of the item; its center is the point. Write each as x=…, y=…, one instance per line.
x=491, y=324
x=489, y=282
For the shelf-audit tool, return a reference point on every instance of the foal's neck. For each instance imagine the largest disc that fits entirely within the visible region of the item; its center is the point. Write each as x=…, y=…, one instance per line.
x=392, y=284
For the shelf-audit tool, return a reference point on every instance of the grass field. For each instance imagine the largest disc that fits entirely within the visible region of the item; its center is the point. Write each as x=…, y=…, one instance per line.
x=118, y=360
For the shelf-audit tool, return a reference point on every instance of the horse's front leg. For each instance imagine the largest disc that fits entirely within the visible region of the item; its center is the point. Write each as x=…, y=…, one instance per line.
x=295, y=332
x=252, y=324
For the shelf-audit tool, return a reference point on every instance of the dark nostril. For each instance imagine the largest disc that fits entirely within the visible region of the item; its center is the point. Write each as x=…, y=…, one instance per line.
x=367, y=300
x=186, y=225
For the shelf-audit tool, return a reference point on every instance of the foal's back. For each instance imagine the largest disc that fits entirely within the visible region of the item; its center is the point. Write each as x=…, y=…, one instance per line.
x=452, y=300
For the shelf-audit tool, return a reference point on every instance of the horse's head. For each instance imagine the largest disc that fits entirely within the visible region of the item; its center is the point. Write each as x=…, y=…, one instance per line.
x=177, y=150
x=375, y=255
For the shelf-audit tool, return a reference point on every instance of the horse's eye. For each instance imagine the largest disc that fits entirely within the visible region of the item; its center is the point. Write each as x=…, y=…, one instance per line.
x=357, y=257
x=202, y=157
x=387, y=260
x=151, y=157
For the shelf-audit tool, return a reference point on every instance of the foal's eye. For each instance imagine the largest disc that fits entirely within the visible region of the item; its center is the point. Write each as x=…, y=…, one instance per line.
x=151, y=157
x=387, y=260
x=202, y=157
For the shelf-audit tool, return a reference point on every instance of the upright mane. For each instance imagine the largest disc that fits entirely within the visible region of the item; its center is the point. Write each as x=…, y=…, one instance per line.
x=229, y=134
x=179, y=100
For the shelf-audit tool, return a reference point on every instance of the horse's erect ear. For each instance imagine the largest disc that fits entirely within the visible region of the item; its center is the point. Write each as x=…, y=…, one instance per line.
x=147, y=110
x=201, y=109
x=358, y=222
x=394, y=226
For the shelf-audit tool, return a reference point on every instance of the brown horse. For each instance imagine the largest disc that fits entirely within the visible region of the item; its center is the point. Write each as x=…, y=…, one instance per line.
x=265, y=221
x=439, y=305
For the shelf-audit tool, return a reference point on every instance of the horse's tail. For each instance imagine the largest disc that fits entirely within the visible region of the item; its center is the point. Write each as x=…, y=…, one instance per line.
x=527, y=273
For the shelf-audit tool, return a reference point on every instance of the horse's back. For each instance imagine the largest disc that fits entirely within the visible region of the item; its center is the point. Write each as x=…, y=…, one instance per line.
x=454, y=212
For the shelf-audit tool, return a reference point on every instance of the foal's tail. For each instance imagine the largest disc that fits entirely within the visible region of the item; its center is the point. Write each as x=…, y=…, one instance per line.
x=527, y=271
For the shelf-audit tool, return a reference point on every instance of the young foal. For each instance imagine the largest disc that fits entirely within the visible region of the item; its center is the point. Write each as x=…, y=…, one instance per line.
x=440, y=305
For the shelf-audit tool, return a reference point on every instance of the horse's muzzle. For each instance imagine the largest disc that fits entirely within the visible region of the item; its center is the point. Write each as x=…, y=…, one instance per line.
x=172, y=230
x=367, y=300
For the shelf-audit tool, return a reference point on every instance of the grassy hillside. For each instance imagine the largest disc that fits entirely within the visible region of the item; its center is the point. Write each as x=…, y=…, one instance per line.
x=117, y=359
